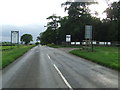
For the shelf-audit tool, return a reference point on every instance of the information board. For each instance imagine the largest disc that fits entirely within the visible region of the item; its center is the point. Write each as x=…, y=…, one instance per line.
x=68, y=38
x=14, y=37
x=88, y=32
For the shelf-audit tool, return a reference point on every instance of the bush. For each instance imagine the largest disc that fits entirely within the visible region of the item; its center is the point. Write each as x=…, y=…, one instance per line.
x=37, y=43
x=51, y=45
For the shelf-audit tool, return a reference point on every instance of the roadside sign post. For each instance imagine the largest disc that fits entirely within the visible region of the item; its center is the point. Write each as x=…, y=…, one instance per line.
x=14, y=37
x=68, y=38
x=88, y=36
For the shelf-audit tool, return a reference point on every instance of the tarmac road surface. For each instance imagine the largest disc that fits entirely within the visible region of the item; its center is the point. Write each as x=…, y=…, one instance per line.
x=45, y=67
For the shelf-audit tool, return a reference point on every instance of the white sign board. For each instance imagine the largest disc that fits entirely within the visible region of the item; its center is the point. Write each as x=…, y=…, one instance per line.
x=88, y=32
x=68, y=38
x=14, y=37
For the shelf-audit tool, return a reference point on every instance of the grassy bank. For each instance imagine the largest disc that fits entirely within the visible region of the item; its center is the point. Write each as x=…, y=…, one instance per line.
x=10, y=55
x=107, y=56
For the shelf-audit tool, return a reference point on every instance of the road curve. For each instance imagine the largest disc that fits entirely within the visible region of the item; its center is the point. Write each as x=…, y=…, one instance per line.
x=45, y=67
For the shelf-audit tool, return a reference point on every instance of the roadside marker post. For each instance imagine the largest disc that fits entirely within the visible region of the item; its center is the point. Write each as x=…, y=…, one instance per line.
x=68, y=39
x=88, y=37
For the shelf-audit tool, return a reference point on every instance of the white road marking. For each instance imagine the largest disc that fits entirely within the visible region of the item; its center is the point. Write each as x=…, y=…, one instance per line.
x=49, y=58
x=66, y=82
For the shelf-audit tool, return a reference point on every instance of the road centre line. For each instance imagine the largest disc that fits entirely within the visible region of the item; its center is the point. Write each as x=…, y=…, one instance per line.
x=61, y=75
x=49, y=58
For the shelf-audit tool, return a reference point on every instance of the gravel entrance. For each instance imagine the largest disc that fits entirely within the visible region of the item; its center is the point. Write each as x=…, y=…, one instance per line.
x=67, y=50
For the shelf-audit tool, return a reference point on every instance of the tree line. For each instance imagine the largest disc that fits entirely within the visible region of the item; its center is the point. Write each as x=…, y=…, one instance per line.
x=74, y=24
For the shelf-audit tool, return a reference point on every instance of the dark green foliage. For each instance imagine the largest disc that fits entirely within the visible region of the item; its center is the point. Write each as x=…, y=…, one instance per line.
x=74, y=24
x=51, y=35
x=38, y=38
x=37, y=43
x=26, y=38
x=48, y=36
x=113, y=11
x=6, y=43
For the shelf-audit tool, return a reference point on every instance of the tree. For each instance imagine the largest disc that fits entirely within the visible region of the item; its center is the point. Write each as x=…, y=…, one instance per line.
x=74, y=24
x=48, y=37
x=112, y=21
x=77, y=9
x=26, y=38
x=38, y=38
x=51, y=34
x=78, y=16
x=113, y=11
x=54, y=21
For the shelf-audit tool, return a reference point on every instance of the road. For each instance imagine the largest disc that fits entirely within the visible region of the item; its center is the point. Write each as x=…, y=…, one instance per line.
x=45, y=67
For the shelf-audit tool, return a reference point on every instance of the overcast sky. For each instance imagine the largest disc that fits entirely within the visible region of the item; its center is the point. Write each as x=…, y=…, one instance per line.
x=29, y=16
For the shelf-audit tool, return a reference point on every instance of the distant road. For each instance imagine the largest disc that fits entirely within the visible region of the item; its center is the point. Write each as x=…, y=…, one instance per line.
x=45, y=67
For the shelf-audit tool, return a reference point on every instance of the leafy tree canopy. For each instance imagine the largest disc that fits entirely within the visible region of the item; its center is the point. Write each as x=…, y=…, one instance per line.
x=74, y=24
x=26, y=38
x=113, y=11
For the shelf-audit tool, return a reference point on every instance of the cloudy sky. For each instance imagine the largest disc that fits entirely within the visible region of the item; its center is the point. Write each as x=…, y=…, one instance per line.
x=29, y=16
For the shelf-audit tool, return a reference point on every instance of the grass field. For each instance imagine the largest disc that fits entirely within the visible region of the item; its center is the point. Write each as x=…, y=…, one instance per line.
x=3, y=48
x=107, y=56
x=11, y=54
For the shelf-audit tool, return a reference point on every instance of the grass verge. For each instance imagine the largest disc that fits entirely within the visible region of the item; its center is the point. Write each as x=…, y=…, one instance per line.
x=106, y=56
x=9, y=56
